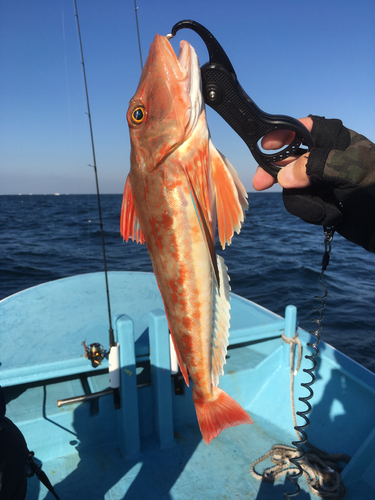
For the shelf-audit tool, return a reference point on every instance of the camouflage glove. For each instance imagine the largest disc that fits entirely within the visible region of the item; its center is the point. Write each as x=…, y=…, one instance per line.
x=341, y=170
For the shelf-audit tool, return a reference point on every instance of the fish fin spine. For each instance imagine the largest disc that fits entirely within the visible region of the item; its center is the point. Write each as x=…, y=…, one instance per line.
x=129, y=223
x=218, y=413
x=231, y=196
x=221, y=323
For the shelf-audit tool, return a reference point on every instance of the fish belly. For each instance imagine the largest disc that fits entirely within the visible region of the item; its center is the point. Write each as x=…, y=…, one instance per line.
x=183, y=271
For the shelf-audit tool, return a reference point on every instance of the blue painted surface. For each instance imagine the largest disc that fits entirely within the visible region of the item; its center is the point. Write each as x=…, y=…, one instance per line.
x=152, y=443
x=161, y=378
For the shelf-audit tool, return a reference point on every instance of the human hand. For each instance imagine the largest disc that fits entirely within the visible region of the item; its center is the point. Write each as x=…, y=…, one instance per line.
x=333, y=184
x=293, y=174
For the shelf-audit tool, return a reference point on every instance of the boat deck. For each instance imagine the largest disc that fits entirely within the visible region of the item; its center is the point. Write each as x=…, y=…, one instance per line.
x=189, y=469
x=151, y=448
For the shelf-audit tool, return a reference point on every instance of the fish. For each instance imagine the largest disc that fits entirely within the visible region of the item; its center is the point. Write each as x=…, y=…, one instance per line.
x=179, y=188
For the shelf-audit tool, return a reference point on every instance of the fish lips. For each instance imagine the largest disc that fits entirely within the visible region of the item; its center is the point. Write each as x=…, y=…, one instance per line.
x=184, y=67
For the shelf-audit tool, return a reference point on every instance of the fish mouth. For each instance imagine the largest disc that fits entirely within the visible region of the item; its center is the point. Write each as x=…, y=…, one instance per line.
x=189, y=65
x=184, y=56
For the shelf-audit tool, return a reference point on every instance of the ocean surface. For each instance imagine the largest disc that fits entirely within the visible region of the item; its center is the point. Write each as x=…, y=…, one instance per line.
x=275, y=261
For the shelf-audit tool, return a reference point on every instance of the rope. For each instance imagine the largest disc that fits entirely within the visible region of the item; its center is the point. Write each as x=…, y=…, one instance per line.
x=293, y=341
x=321, y=470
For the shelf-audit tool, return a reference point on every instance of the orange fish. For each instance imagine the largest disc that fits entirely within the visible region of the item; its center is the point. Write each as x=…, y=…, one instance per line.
x=178, y=188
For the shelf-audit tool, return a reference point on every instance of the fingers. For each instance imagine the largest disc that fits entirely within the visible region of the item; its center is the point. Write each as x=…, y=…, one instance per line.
x=294, y=175
x=308, y=122
x=279, y=138
x=262, y=180
x=291, y=176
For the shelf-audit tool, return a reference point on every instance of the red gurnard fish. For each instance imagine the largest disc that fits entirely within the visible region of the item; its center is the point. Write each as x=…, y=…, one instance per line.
x=178, y=188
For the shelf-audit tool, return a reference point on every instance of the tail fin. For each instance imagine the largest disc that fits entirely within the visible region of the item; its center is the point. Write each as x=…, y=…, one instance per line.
x=218, y=414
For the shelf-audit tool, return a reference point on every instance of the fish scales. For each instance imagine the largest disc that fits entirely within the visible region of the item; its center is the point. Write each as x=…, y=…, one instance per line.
x=180, y=263
x=178, y=186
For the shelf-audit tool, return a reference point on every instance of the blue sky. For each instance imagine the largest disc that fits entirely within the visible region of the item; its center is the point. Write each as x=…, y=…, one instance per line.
x=293, y=57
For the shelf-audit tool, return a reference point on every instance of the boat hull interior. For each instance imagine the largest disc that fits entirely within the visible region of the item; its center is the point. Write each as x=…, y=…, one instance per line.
x=152, y=443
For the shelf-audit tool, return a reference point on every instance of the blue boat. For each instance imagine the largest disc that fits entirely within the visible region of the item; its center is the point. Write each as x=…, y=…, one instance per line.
x=151, y=447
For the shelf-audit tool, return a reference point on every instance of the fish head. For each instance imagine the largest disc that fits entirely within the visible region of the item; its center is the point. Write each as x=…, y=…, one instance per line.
x=167, y=104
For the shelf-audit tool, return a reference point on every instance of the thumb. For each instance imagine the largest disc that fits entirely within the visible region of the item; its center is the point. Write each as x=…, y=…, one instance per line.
x=294, y=175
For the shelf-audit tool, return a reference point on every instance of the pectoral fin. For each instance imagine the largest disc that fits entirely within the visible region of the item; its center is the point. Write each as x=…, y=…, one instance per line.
x=129, y=224
x=231, y=196
x=202, y=215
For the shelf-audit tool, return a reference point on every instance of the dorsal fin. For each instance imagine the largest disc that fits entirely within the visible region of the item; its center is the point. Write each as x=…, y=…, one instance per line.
x=221, y=318
x=129, y=224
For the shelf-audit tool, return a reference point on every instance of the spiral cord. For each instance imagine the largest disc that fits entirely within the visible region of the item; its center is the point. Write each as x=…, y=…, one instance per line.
x=301, y=429
x=321, y=470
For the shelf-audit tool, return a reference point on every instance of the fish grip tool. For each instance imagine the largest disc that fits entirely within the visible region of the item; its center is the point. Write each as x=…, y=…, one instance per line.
x=223, y=93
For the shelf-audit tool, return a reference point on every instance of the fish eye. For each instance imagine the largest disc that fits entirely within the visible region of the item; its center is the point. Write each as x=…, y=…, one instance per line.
x=138, y=115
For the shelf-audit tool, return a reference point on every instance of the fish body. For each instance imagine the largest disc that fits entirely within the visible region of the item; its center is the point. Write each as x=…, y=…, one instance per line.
x=178, y=188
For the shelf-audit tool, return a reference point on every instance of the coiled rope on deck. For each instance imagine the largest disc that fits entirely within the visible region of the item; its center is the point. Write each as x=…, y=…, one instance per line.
x=321, y=470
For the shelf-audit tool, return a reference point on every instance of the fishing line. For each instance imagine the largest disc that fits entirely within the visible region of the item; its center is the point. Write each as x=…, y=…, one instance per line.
x=139, y=38
x=112, y=344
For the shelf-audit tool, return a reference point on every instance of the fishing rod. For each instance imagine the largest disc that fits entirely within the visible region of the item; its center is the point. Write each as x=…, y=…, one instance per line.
x=113, y=346
x=139, y=38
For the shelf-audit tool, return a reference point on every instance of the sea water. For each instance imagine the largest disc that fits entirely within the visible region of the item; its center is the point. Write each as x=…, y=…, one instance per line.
x=274, y=261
